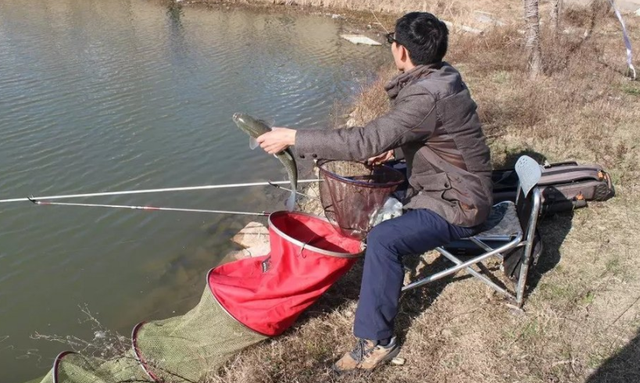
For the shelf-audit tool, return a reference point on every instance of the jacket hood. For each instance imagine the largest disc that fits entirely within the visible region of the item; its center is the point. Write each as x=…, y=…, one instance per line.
x=397, y=83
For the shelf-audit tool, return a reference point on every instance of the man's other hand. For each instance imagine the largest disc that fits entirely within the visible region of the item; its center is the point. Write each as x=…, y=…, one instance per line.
x=380, y=158
x=277, y=140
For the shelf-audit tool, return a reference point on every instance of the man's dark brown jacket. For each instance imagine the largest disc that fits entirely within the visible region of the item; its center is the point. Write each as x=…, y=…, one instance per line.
x=433, y=121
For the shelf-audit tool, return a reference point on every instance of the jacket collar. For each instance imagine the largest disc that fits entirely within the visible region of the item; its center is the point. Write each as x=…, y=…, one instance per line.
x=397, y=83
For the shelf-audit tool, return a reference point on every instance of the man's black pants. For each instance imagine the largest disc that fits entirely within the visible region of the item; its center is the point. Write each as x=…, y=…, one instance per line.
x=415, y=232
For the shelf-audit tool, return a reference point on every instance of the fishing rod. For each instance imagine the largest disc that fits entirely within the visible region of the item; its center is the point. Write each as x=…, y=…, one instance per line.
x=148, y=208
x=148, y=191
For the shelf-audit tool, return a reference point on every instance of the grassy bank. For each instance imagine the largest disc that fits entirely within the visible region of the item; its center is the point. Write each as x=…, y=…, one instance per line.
x=582, y=315
x=374, y=13
x=387, y=6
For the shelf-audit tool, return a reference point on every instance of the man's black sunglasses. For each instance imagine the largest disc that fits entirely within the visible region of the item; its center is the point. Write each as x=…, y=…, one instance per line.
x=390, y=38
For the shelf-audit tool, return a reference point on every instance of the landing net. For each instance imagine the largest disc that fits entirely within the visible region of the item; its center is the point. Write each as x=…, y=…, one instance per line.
x=352, y=193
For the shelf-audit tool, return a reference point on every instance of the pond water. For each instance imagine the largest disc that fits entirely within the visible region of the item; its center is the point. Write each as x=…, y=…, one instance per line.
x=131, y=94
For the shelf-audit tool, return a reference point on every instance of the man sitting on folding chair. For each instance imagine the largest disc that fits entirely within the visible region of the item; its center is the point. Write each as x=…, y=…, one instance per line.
x=433, y=121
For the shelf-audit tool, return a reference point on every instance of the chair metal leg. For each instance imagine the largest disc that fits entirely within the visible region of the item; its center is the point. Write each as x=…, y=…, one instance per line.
x=484, y=246
x=522, y=278
x=463, y=265
x=528, y=249
x=476, y=274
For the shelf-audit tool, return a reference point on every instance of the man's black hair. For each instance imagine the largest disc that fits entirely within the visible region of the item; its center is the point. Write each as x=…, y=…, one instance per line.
x=424, y=35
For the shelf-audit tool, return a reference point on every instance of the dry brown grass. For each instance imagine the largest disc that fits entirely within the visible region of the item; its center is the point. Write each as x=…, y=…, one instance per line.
x=451, y=8
x=582, y=315
x=462, y=12
x=372, y=102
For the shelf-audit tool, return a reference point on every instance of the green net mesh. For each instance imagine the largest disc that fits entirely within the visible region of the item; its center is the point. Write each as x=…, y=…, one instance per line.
x=181, y=349
x=77, y=368
x=188, y=347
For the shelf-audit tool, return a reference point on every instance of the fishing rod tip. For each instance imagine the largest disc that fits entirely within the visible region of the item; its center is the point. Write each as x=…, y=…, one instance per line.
x=32, y=199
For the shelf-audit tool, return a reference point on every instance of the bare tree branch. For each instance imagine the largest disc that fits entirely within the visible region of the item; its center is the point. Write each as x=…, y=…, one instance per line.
x=532, y=45
x=556, y=9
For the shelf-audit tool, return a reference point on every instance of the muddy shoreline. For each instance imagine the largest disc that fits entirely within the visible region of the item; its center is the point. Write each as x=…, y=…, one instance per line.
x=352, y=20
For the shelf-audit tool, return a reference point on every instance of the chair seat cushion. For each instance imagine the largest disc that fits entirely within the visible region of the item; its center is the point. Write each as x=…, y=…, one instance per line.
x=502, y=225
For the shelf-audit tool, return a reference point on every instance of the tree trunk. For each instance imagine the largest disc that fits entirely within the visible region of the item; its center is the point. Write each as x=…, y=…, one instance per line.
x=532, y=45
x=556, y=8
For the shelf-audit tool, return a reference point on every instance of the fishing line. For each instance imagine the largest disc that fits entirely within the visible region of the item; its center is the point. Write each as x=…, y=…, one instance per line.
x=292, y=191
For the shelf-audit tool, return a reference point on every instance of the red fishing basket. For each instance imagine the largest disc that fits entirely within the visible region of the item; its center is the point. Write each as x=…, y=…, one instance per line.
x=267, y=294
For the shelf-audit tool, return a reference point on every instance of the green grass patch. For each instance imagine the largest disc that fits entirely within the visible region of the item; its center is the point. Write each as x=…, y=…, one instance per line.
x=631, y=89
x=558, y=293
x=615, y=267
x=587, y=299
x=595, y=360
x=528, y=332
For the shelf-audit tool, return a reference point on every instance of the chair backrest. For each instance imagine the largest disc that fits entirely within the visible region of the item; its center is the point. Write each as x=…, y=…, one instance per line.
x=528, y=199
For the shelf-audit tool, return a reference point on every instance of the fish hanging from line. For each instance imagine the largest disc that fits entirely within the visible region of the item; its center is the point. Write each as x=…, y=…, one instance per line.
x=255, y=128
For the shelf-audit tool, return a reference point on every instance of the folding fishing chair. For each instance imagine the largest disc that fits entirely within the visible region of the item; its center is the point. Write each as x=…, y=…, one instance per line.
x=510, y=226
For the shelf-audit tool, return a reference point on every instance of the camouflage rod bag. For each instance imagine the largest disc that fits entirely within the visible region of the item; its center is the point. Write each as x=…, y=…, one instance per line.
x=565, y=186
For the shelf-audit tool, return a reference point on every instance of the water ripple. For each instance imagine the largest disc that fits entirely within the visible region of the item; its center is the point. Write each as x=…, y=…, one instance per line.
x=120, y=95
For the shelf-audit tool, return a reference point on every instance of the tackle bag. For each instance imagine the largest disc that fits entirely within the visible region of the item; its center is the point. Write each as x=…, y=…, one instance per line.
x=565, y=186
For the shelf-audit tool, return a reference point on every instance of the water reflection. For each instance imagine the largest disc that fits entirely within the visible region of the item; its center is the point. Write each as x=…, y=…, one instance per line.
x=130, y=94
x=178, y=44
x=174, y=11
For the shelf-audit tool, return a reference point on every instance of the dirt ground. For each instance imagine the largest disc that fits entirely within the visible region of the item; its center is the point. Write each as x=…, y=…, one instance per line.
x=581, y=319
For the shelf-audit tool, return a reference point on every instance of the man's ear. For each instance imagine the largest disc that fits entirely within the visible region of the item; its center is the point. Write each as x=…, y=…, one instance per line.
x=404, y=54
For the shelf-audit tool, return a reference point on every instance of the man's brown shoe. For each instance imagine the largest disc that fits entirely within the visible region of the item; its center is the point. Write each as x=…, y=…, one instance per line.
x=366, y=356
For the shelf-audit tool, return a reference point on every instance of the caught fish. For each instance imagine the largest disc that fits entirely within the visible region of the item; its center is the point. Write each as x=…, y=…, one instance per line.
x=255, y=128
